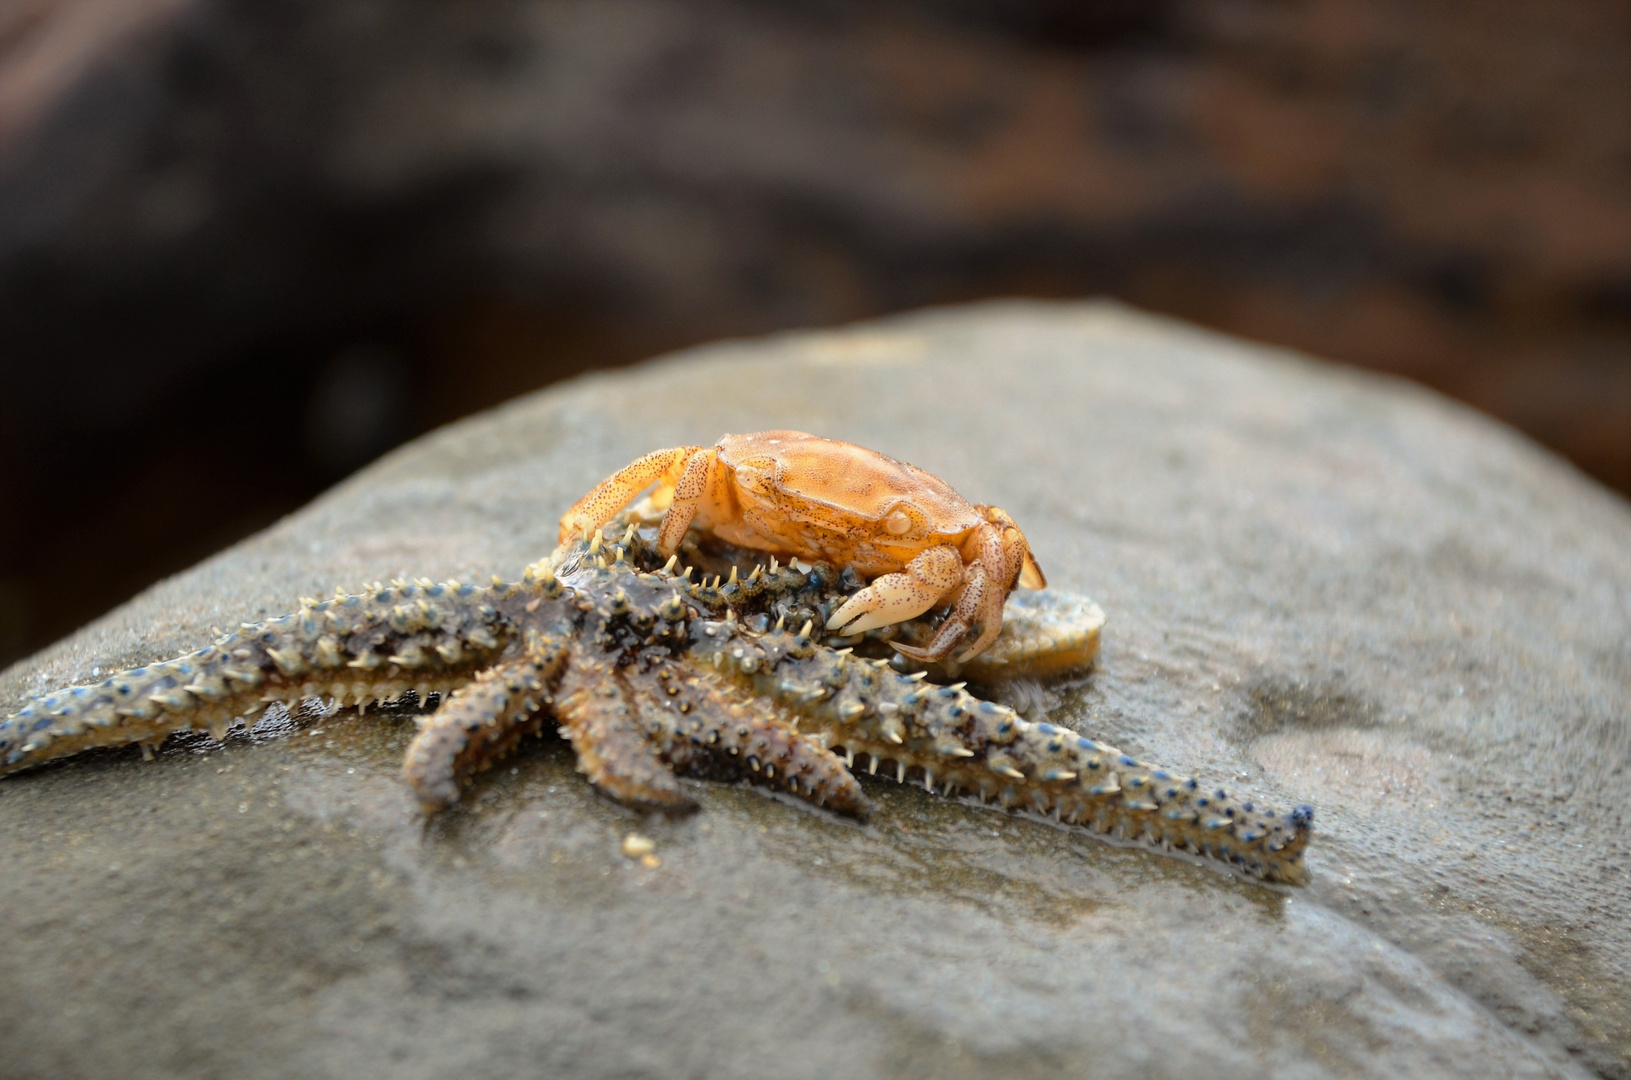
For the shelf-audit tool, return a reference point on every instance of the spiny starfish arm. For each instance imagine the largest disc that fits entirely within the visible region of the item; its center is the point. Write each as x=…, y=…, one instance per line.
x=947, y=736
x=615, y=750
x=710, y=728
x=358, y=648
x=481, y=722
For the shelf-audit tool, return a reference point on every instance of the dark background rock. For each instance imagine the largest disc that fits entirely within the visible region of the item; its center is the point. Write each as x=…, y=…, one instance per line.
x=1321, y=585
x=246, y=247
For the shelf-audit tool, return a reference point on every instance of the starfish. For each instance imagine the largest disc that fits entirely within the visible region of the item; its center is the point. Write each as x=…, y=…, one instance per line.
x=654, y=678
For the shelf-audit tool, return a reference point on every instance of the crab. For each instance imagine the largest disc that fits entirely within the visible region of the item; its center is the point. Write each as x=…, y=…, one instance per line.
x=802, y=496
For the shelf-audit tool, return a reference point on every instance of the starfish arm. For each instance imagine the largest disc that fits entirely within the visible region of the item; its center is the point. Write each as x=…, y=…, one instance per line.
x=947, y=736
x=615, y=750
x=711, y=728
x=481, y=722
x=374, y=645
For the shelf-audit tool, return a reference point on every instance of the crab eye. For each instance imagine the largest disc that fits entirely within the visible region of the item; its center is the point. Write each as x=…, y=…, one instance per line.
x=897, y=523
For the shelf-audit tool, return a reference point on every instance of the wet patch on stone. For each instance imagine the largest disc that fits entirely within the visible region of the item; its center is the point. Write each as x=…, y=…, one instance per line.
x=1331, y=744
x=1275, y=705
x=1562, y=958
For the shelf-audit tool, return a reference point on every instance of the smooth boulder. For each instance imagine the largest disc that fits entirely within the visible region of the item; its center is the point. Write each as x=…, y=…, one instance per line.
x=1322, y=587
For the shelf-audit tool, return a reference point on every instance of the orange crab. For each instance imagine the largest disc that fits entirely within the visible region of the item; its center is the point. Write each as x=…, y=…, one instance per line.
x=803, y=496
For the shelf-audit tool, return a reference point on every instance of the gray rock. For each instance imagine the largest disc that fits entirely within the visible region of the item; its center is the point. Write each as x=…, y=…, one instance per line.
x=1322, y=586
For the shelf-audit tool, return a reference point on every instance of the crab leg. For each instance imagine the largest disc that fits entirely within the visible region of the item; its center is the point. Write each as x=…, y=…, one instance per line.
x=689, y=490
x=894, y=598
x=1014, y=542
x=619, y=489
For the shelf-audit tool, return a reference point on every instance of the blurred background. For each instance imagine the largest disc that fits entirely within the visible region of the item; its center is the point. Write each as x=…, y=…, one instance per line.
x=246, y=247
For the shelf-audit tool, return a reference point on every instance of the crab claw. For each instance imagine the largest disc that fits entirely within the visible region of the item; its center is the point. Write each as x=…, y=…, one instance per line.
x=973, y=608
x=1004, y=561
x=895, y=598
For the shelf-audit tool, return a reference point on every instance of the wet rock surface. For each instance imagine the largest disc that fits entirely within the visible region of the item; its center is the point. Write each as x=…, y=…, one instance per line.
x=1321, y=587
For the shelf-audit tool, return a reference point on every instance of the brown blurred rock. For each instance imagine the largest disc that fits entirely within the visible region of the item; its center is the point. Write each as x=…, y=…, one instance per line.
x=206, y=205
x=1320, y=585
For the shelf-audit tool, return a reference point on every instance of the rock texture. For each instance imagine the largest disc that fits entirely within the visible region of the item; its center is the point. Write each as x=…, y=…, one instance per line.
x=1320, y=585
